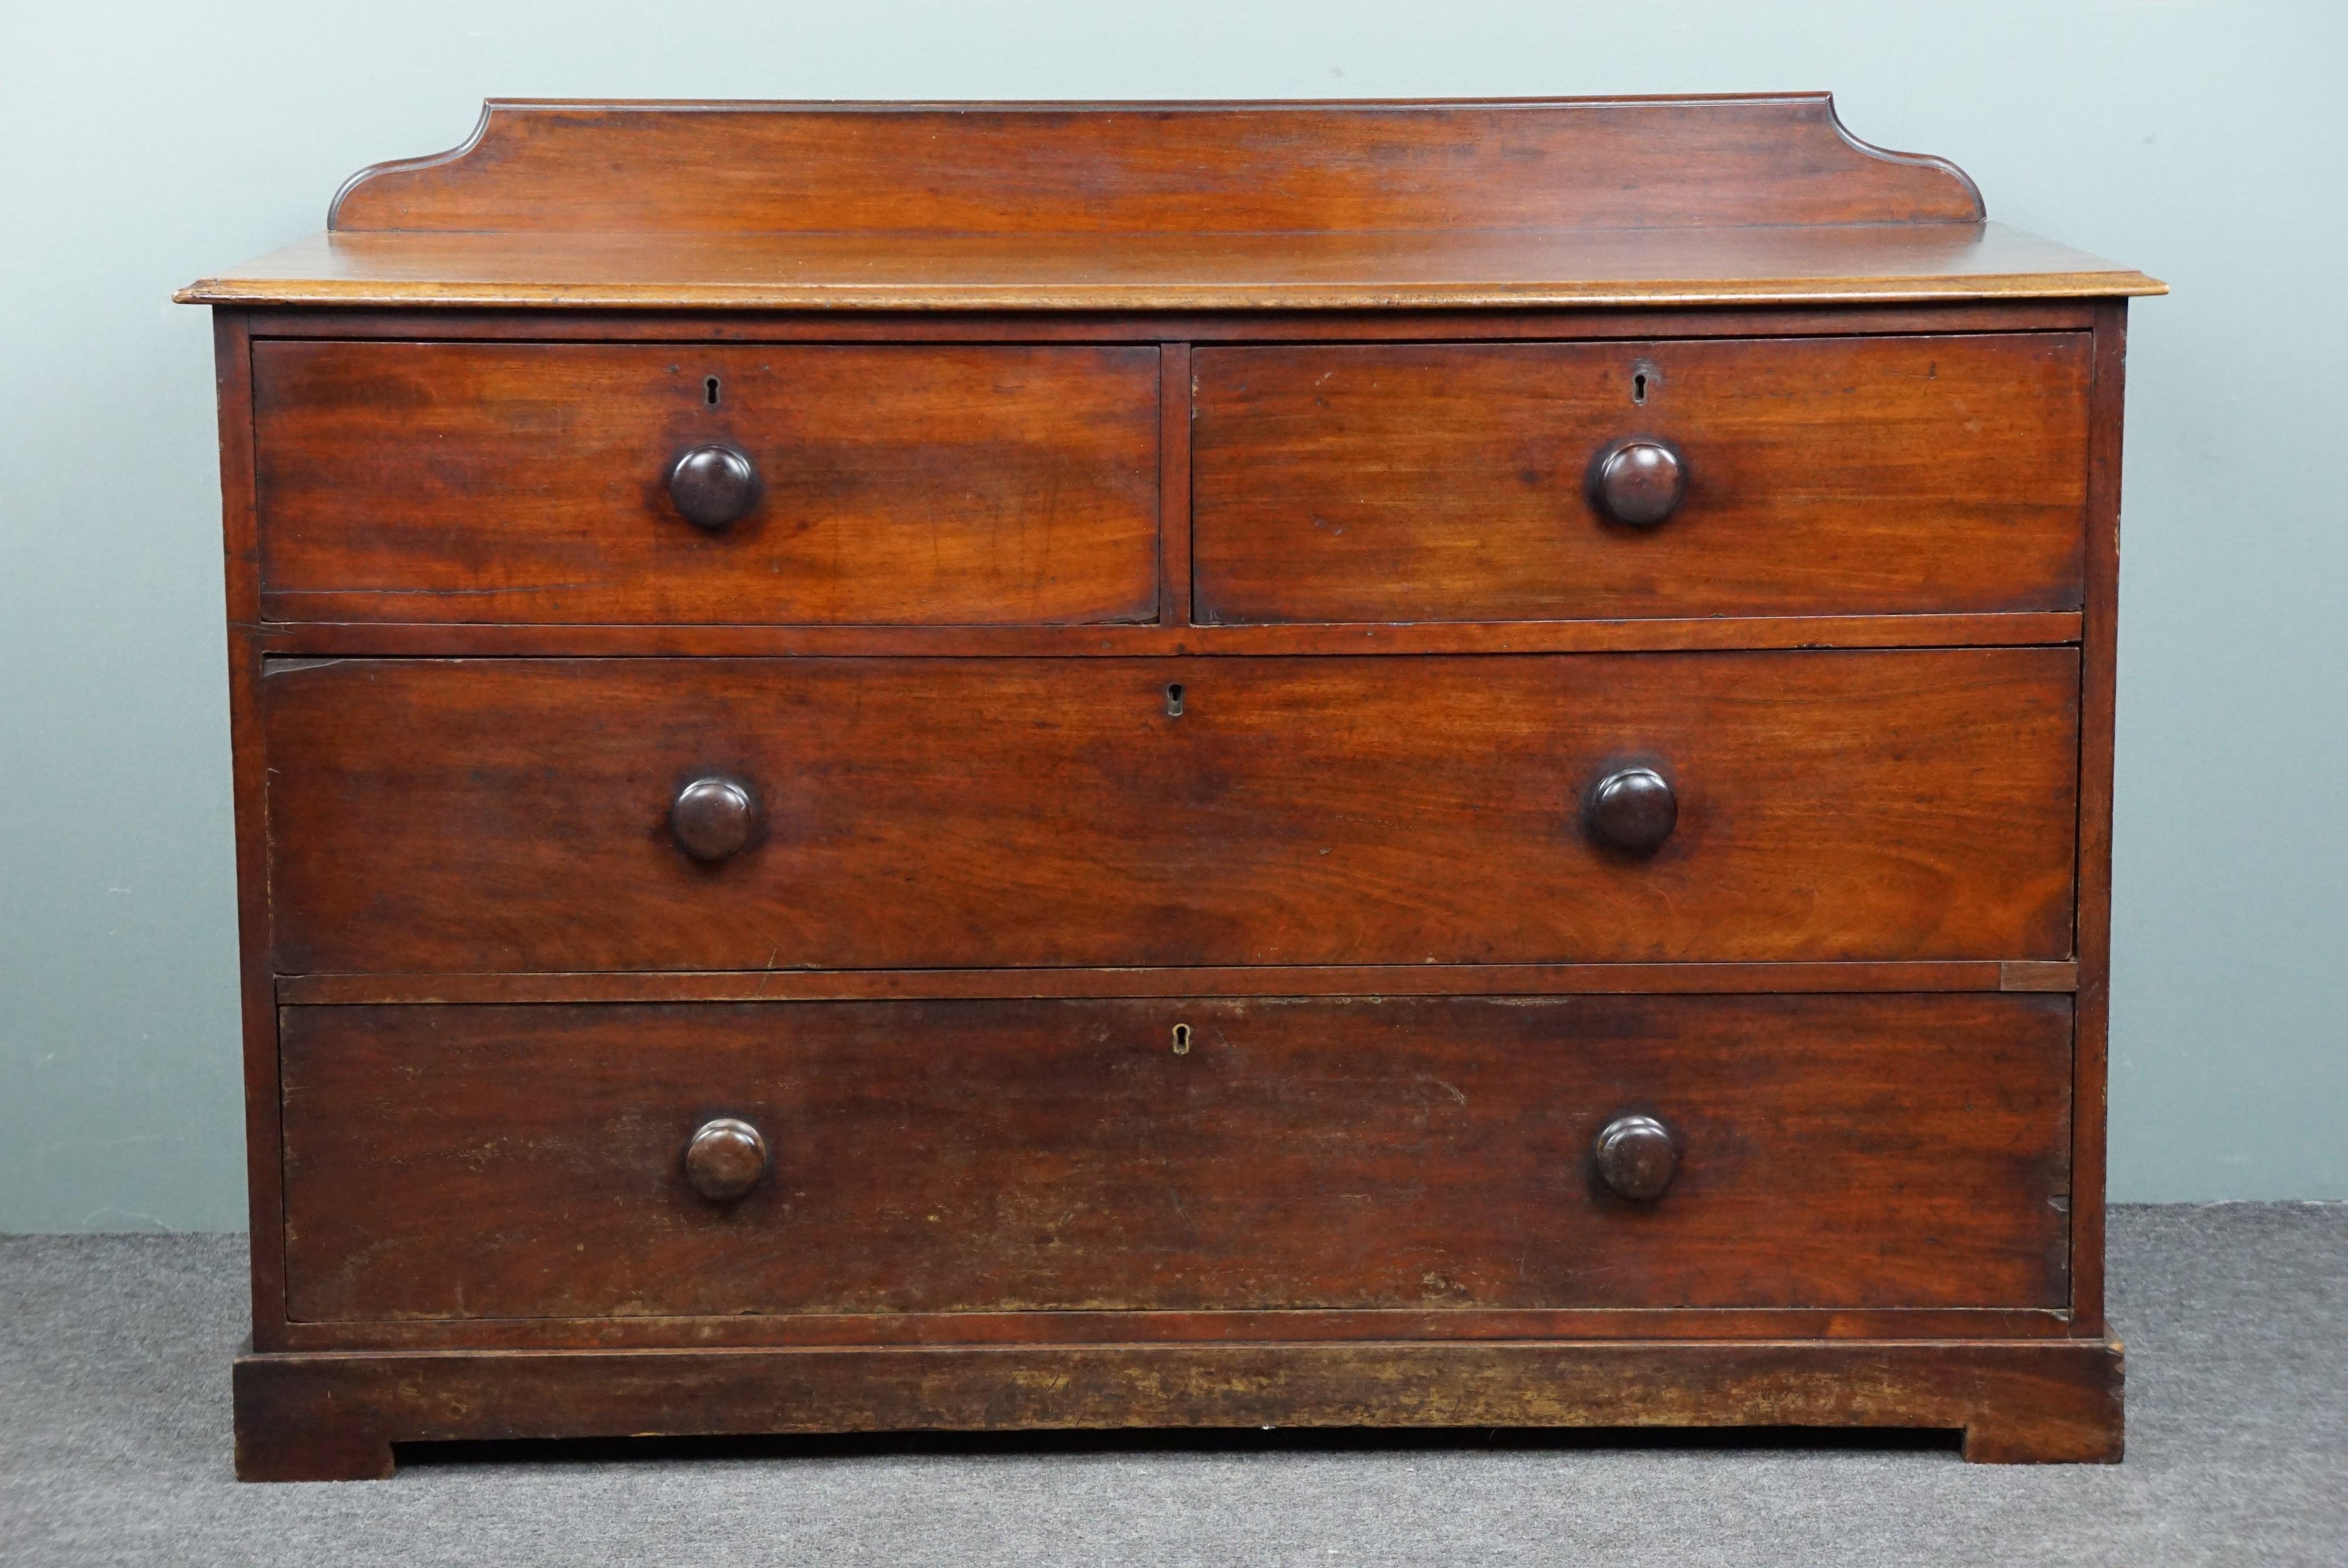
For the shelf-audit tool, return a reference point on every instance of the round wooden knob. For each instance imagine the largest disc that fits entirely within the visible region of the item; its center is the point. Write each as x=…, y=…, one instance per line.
x=1636, y=1157
x=711, y=818
x=714, y=485
x=1639, y=480
x=1630, y=809
x=725, y=1159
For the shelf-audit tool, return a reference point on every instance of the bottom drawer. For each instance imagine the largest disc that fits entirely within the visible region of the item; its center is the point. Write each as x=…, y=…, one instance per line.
x=460, y=1162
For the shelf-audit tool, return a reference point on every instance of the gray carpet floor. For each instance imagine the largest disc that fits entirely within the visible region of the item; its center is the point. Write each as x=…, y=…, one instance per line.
x=114, y=1449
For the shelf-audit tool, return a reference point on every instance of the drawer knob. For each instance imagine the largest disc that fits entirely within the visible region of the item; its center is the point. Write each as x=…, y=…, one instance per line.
x=712, y=818
x=714, y=485
x=1630, y=809
x=1639, y=480
x=1636, y=1157
x=725, y=1159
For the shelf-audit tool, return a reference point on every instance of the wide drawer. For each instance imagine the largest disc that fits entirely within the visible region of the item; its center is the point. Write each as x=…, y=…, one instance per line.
x=506, y=482
x=516, y=1162
x=533, y=815
x=1822, y=475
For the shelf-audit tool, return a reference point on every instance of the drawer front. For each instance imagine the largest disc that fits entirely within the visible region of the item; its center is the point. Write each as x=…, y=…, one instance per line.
x=536, y=815
x=531, y=483
x=519, y=1162
x=1822, y=475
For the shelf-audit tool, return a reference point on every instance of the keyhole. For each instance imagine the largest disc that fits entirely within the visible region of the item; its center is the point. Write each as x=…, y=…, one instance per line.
x=1644, y=378
x=709, y=391
x=1174, y=701
x=1182, y=1039
x=1638, y=388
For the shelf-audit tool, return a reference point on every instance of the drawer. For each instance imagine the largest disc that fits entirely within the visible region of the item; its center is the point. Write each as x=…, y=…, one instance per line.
x=1820, y=475
x=520, y=1161
x=533, y=482
x=553, y=815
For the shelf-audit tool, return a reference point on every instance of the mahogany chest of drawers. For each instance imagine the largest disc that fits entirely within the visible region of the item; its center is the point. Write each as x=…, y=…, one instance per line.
x=985, y=766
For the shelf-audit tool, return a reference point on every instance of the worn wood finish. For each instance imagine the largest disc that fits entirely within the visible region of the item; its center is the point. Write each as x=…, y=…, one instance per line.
x=1176, y=169
x=1174, y=487
x=1276, y=1324
x=560, y=323
x=1163, y=207
x=432, y=482
x=1286, y=980
x=1202, y=1154
x=1440, y=270
x=334, y=1418
x=602, y=749
x=264, y=1198
x=1684, y=634
x=1442, y=482
x=513, y=815
x=2098, y=673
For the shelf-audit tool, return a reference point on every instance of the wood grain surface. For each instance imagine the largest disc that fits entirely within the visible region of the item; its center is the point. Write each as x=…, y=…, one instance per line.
x=1144, y=167
x=1446, y=482
x=1286, y=980
x=2099, y=662
x=1199, y=1154
x=406, y=323
x=513, y=813
x=1078, y=795
x=1461, y=269
x=399, y=639
x=334, y=1418
x=1163, y=207
x=474, y=482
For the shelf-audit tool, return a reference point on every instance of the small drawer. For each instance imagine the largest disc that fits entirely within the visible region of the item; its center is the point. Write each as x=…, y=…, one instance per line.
x=1560, y=481
x=717, y=1158
x=521, y=814
x=691, y=484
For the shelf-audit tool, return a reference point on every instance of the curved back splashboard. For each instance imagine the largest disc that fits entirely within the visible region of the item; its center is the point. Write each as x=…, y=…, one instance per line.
x=1155, y=168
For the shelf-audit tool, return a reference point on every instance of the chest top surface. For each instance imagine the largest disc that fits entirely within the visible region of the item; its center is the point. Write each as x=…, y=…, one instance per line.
x=1136, y=206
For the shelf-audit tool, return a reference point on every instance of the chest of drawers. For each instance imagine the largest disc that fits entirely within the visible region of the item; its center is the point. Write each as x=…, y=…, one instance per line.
x=992, y=767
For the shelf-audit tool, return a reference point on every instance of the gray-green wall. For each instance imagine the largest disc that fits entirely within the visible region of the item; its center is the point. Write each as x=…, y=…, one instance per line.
x=146, y=143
